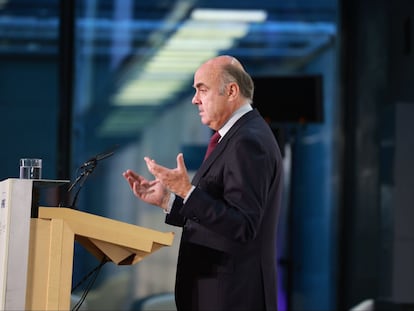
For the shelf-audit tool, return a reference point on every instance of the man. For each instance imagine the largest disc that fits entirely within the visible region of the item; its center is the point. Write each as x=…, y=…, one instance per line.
x=229, y=211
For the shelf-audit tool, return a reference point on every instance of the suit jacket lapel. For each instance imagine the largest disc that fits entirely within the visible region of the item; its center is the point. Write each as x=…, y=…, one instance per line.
x=222, y=145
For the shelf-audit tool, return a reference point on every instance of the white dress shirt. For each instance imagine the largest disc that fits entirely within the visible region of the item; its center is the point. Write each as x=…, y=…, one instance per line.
x=224, y=129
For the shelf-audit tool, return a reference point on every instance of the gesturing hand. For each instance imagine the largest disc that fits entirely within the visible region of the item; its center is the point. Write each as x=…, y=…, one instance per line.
x=152, y=192
x=176, y=180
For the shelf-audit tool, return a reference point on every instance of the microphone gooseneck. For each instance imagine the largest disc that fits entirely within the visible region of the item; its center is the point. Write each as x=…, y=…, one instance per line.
x=86, y=169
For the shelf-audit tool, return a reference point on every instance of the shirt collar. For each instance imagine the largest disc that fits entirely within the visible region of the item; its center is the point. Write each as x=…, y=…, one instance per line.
x=234, y=117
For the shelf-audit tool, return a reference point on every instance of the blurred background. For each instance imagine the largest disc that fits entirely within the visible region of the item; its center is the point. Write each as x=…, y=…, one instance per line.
x=334, y=79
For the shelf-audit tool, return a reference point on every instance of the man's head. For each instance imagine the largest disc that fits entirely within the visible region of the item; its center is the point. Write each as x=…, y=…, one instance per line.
x=221, y=87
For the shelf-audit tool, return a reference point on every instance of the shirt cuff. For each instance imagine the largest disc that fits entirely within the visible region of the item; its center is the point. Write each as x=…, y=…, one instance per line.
x=172, y=199
x=170, y=203
x=188, y=194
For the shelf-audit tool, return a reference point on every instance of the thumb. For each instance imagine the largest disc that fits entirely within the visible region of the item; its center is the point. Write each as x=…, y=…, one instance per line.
x=180, y=163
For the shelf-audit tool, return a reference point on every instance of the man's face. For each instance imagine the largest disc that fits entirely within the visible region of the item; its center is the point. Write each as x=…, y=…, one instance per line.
x=212, y=105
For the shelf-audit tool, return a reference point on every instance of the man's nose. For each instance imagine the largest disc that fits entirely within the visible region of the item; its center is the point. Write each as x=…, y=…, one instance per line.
x=195, y=100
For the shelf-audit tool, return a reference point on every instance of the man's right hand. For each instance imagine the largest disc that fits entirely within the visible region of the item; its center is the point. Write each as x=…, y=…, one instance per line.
x=152, y=192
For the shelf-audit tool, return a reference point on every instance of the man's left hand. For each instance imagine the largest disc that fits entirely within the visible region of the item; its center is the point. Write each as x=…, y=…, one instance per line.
x=176, y=180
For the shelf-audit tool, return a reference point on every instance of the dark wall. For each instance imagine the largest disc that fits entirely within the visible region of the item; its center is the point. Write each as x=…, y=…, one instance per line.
x=377, y=67
x=401, y=216
x=28, y=109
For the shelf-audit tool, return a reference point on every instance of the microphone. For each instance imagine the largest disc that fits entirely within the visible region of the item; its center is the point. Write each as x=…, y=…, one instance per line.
x=94, y=161
x=87, y=168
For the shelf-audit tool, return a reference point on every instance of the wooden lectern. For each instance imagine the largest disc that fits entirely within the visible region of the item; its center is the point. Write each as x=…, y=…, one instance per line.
x=50, y=243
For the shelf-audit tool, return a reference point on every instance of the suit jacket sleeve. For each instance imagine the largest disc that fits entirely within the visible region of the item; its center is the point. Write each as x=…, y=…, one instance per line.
x=174, y=217
x=231, y=198
x=235, y=188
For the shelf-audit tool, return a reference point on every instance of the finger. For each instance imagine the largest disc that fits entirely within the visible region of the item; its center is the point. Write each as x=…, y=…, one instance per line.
x=154, y=168
x=126, y=174
x=131, y=182
x=150, y=165
x=153, y=182
x=180, y=163
x=139, y=190
x=131, y=174
x=134, y=175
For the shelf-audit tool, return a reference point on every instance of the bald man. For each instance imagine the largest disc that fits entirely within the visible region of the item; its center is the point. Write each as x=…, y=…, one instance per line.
x=229, y=211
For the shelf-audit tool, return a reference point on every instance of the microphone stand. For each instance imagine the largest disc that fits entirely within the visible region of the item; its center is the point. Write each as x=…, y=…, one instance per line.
x=87, y=169
x=81, y=180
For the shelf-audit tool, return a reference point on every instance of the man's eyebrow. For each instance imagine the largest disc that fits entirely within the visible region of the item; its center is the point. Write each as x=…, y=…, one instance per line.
x=198, y=85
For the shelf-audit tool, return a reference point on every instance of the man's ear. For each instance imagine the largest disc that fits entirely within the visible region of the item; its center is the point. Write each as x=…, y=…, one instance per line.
x=232, y=90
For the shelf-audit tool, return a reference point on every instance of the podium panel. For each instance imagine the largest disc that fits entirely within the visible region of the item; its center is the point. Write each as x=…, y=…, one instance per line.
x=52, y=238
x=36, y=253
x=50, y=265
x=15, y=208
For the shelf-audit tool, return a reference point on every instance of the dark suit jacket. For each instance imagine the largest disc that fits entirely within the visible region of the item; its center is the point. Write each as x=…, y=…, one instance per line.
x=227, y=256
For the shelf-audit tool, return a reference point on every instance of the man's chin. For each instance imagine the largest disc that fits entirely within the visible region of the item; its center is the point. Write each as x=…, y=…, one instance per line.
x=205, y=122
